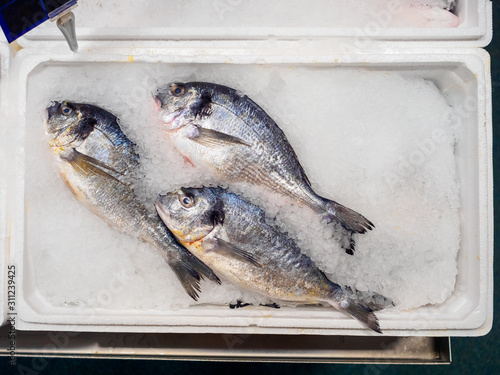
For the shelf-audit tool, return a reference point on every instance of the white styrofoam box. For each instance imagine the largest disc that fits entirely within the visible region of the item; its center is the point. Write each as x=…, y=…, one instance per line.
x=234, y=19
x=461, y=74
x=4, y=67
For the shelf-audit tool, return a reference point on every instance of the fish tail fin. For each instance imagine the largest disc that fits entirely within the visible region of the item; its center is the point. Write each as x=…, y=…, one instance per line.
x=190, y=271
x=349, y=219
x=363, y=314
x=374, y=301
x=360, y=312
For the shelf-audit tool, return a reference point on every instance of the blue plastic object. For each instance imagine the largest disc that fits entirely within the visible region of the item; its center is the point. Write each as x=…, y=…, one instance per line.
x=17, y=17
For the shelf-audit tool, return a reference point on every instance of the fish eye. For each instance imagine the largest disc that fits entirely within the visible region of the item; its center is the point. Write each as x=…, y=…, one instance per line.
x=177, y=90
x=186, y=201
x=65, y=110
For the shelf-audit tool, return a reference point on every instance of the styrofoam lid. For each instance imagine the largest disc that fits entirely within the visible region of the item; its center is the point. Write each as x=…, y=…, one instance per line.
x=456, y=22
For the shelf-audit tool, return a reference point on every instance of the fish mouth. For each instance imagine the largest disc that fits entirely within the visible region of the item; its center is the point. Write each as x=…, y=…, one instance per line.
x=158, y=102
x=169, y=118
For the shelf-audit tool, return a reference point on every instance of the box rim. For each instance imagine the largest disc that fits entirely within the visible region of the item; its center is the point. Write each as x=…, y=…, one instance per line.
x=477, y=36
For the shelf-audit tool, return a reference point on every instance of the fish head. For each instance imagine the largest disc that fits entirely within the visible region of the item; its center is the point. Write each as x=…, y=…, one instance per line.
x=180, y=104
x=190, y=214
x=69, y=124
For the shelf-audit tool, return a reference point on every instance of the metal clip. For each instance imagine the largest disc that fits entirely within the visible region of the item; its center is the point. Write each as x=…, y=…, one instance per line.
x=66, y=23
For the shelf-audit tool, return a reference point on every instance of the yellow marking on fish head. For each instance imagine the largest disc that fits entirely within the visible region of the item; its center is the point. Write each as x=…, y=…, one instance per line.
x=56, y=146
x=197, y=244
x=178, y=233
x=130, y=58
x=188, y=235
x=182, y=234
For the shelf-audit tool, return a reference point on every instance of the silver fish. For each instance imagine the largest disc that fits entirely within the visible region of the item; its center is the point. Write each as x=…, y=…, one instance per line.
x=97, y=161
x=216, y=128
x=233, y=237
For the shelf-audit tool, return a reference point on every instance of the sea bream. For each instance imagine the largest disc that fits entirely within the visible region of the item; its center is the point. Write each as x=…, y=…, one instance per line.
x=97, y=161
x=234, y=238
x=216, y=128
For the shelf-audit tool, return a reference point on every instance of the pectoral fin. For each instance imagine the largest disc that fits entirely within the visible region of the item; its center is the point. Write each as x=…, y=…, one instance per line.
x=88, y=166
x=209, y=137
x=230, y=251
x=95, y=162
x=190, y=270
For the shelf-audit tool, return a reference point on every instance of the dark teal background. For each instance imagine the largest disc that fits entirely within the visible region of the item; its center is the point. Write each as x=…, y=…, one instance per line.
x=470, y=355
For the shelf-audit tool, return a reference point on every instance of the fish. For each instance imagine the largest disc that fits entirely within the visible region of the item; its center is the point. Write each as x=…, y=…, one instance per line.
x=236, y=239
x=218, y=129
x=99, y=164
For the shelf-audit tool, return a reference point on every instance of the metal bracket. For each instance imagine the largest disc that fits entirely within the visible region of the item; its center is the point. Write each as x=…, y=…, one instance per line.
x=66, y=23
